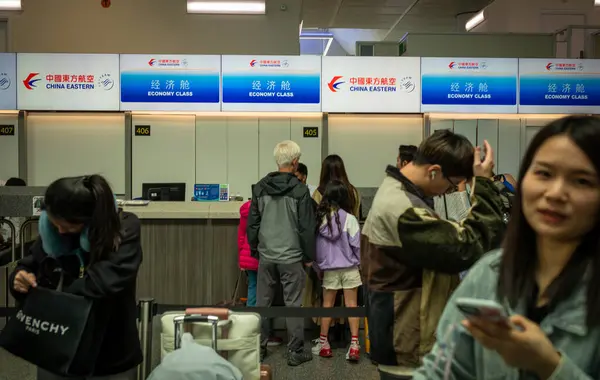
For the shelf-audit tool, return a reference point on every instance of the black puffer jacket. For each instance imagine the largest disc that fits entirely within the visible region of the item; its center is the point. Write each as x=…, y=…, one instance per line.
x=110, y=283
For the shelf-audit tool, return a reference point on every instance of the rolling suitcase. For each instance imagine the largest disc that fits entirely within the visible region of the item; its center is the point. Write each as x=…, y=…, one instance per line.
x=235, y=335
x=193, y=361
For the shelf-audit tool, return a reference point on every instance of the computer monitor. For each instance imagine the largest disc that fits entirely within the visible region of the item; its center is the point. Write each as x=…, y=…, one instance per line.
x=165, y=192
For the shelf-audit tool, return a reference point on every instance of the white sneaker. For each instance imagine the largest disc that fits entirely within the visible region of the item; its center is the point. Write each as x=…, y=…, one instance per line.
x=353, y=354
x=322, y=349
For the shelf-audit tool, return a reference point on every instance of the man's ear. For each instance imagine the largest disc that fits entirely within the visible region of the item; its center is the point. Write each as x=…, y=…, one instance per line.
x=434, y=171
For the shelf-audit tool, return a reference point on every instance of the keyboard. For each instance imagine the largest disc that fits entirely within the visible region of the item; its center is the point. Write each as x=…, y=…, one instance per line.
x=134, y=203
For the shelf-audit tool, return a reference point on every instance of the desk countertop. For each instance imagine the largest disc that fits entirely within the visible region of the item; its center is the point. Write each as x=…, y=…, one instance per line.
x=187, y=210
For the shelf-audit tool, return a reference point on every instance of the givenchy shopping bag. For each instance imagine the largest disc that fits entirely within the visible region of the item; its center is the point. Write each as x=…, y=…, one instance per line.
x=53, y=330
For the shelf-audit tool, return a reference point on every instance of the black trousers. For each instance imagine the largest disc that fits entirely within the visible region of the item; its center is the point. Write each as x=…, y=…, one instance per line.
x=292, y=278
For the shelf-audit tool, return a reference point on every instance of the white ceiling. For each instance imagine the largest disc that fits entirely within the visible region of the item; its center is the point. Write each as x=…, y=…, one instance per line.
x=395, y=16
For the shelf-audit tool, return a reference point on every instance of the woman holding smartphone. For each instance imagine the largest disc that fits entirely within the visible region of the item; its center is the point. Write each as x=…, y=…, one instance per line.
x=547, y=274
x=97, y=249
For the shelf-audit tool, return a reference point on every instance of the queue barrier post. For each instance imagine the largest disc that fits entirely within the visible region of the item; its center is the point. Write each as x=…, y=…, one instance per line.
x=146, y=307
x=13, y=256
x=22, y=241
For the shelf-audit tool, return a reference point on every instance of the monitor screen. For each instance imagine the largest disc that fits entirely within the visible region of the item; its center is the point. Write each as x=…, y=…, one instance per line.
x=163, y=192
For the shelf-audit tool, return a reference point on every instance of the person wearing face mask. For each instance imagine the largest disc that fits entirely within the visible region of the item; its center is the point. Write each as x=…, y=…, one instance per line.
x=98, y=251
x=411, y=258
x=547, y=273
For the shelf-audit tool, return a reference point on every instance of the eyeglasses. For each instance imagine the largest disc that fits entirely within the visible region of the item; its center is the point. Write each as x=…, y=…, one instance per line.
x=453, y=186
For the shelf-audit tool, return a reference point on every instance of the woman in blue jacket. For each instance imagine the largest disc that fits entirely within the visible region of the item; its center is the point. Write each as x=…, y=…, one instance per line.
x=547, y=274
x=98, y=249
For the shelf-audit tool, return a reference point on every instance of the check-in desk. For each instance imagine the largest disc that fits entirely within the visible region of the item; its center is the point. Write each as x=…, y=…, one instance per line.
x=190, y=251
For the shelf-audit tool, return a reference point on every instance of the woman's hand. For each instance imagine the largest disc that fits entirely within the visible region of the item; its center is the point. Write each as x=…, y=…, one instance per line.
x=483, y=168
x=24, y=281
x=524, y=346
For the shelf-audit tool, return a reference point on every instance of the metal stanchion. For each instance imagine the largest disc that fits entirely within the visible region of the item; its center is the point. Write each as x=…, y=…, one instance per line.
x=25, y=224
x=13, y=254
x=146, y=306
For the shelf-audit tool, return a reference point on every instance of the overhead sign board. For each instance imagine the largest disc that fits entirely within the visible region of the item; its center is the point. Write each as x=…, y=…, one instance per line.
x=170, y=82
x=559, y=86
x=482, y=85
x=371, y=84
x=271, y=83
x=70, y=82
x=8, y=82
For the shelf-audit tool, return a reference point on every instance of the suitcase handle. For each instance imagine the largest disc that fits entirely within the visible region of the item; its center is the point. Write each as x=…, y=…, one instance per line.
x=179, y=320
x=221, y=313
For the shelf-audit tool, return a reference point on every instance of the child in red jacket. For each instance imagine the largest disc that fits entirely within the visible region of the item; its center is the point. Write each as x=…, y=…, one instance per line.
x=249, y=263
x=246, y=261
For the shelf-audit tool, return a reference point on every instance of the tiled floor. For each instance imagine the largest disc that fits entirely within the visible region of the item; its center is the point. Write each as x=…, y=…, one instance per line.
x=321, y=368
x=12, y=368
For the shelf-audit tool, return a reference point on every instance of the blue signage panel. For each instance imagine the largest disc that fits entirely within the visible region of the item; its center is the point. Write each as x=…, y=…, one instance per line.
x=271, y=83
x=211, y=192
x=8, y=83
x=559, y=86
x=469, y=85
x=170, y=82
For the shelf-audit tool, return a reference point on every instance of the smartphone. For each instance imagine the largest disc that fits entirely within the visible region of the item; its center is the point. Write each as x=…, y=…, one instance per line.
x=483, y=309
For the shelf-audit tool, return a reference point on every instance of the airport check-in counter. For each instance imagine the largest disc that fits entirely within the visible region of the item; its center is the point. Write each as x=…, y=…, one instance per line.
x=190, y=251
x=190, y=248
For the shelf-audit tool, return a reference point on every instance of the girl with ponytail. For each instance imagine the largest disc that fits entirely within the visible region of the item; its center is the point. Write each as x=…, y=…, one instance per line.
x=98, y=250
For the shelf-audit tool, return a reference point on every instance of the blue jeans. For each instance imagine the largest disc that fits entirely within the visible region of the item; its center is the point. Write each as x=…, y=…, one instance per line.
x=252, y=276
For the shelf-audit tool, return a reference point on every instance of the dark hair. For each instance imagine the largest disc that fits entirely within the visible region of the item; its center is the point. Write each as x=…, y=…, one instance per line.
x=87, y=200
x=407, y=153
x=517, y=269
x=332, y=169
x=302, y=169
x=15, y=182
x=336, y=197
x=453, y=152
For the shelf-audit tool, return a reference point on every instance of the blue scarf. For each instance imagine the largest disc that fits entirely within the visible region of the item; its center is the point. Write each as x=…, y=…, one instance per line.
x=52, y=242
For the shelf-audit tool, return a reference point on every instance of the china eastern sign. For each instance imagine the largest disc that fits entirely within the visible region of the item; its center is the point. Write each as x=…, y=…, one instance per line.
x=371, y=84
x=469, y=85
x=8, y=83
x=271, y=83
x=74, y=82
x=559, y=86
x=170, y=82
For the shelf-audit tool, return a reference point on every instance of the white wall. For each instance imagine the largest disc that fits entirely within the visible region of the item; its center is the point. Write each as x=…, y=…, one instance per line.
x=238, y=150
x=509, y=136
x=367, y=144
x=168, y=155
x=531, y=126
x=69, y=144
x=479, y=45
x=9, y=148
x=151, y=26
x=542, y=16
x=503, y=135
